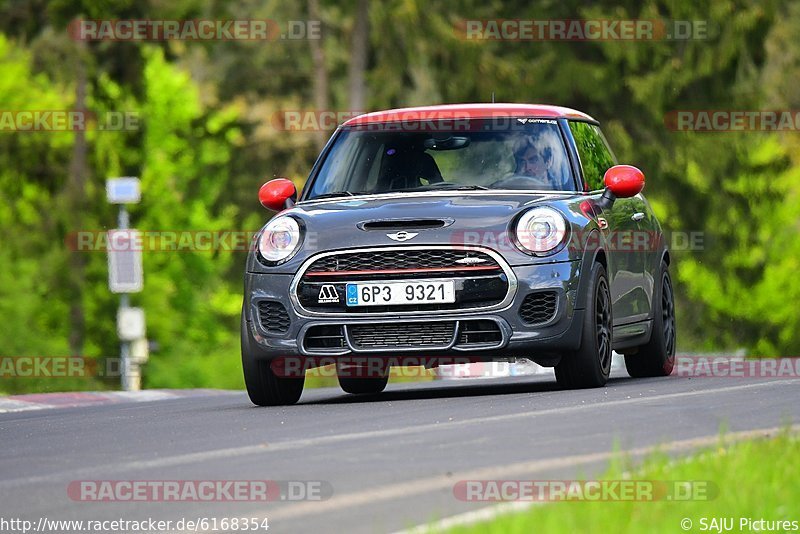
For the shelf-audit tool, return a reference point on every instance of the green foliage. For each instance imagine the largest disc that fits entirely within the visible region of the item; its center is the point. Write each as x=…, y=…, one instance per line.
x=754, y=238
x=595, y=158
x=207, y=139
x=192, y=310
x=31, y=243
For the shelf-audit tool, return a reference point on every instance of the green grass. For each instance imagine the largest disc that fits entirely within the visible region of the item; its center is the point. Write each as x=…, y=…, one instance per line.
x=757, y=479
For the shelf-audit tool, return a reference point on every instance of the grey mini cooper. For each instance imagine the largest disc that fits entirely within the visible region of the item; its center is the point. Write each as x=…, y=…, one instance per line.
x=454, y=234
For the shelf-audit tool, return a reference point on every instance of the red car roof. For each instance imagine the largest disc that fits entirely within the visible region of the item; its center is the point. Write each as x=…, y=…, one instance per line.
x=467, y=111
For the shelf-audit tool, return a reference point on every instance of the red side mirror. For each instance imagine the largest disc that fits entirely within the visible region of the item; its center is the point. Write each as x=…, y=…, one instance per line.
x=624, y=180
x=274, y=194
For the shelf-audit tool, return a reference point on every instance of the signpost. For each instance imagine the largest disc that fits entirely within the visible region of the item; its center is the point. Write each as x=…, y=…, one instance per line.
x=125, y=276
x=124, y=260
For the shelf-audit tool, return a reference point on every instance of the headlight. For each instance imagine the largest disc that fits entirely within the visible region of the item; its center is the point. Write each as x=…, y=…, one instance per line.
x=280, y=239
x=540, y=230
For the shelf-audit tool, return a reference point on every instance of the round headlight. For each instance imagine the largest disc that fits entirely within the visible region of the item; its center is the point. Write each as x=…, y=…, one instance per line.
x=540, y=230
x=280, y=239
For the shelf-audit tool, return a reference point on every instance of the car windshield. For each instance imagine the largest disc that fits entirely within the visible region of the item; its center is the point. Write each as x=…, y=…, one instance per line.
x=381, y=158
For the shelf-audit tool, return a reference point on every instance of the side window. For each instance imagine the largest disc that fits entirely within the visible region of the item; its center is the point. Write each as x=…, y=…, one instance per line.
x=596, y=157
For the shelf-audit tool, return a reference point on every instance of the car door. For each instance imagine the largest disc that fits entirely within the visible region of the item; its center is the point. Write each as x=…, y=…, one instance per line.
x=653, y=245
x=621, y=225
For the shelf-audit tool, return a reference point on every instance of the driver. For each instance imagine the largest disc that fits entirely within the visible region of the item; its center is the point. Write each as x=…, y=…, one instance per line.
x=534, y=163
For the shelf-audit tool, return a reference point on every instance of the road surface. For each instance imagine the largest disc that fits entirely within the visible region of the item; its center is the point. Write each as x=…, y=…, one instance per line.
x=390, y=460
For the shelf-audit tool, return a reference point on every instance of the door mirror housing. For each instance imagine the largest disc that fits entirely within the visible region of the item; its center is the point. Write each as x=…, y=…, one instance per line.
x=277, y=194
x=624, y=180
x=621, y=181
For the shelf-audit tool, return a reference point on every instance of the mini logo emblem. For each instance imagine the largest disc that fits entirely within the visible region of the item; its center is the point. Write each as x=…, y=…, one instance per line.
x=328, y=293
x=402, y=235
x=470, y=261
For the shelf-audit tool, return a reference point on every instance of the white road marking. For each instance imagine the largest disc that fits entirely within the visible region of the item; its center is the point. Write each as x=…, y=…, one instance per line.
x=145, y=395
x=77, y=399
x=262, y=448
x=10, y=405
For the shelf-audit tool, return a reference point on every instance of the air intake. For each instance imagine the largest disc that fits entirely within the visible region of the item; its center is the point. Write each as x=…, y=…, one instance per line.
x=324, y=337
x=404, y=224
x=408, y=335
x=273, y=317
x=539, y=308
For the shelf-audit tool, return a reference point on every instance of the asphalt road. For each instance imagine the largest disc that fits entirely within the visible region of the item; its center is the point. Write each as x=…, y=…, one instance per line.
x=391, y=460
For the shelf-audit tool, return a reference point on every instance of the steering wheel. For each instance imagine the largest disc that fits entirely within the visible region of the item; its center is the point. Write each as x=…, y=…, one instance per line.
x=521, y=181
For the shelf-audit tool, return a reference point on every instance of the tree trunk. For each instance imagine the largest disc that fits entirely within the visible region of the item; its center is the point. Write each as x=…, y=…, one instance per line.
x=358, y=58
x=321, y=101
x=76, y=205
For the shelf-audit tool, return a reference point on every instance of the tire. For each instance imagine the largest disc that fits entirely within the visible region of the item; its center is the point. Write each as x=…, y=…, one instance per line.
x=590, y=365
x=657, y=357
x=361, y=385
x=264, y=387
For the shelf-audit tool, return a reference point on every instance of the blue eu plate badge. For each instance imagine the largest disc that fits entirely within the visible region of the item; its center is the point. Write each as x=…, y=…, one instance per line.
x=352, y=295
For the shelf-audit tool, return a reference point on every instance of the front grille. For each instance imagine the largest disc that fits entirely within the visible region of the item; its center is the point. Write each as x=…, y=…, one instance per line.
x=411, y=335
x=479, y=332
x=273, y=317
x=400, y=259
x=480, y=281
x=324, y=337
x=539, y=307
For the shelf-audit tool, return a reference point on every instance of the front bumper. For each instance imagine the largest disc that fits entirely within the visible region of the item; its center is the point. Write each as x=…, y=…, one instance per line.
x=541, y=342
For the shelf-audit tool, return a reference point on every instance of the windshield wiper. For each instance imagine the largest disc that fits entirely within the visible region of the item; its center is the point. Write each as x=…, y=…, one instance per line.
x=431, y=187
x=471, y=188
x=337, y=194
x=453, y=187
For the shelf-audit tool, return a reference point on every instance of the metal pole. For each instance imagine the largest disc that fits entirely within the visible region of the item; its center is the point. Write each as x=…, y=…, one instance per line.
x=123, y=221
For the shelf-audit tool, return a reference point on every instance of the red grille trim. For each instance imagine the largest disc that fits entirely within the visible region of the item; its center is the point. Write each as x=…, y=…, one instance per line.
x=403, y=271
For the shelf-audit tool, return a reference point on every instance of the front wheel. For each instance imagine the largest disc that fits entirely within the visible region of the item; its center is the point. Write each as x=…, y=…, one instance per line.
x=264, y=386
x=362, y=380
x=657, y=357
x=590, y=365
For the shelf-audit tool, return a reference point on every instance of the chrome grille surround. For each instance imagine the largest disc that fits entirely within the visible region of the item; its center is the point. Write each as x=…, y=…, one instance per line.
x=504, y=304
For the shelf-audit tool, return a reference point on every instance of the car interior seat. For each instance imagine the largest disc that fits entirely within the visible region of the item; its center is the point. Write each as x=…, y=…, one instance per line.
x=407, y=169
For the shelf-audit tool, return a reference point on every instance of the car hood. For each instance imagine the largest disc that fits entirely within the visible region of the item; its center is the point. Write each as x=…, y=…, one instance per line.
x=473, y=218
x=469, y=210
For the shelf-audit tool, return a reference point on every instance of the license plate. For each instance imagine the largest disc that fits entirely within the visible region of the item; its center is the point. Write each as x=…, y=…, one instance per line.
x=394, y=293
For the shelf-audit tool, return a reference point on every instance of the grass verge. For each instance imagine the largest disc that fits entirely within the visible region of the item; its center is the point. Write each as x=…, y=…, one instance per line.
x=751, y=481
